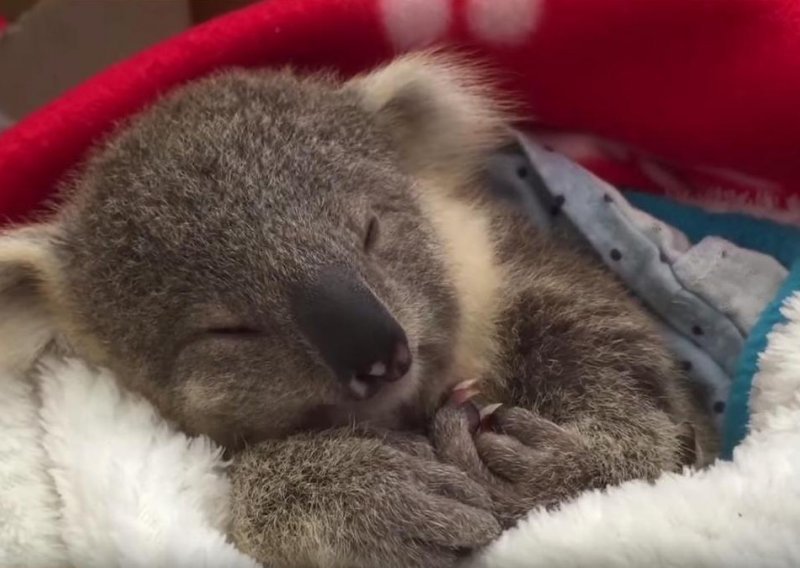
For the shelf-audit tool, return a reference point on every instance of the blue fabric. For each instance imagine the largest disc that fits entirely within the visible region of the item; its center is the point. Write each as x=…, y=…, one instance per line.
x=780, y=241
x=533, y=191
x=559, y=195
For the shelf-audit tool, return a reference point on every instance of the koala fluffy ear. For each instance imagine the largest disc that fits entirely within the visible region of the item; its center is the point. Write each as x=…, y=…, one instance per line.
x=442, y=113
x=27, y=256
x=29, y=284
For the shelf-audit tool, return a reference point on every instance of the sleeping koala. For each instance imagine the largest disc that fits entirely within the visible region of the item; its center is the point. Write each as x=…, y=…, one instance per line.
x=302, y=268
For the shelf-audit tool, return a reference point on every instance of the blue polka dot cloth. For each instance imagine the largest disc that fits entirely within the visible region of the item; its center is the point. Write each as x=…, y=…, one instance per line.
x=713, y=282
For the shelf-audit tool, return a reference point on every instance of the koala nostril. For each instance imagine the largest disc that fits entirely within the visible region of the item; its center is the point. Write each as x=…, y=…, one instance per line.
x=394, y=369
x=377, y=370
x=400, y=364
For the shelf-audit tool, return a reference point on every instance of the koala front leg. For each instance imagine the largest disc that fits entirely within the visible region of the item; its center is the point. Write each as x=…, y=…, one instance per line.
x=526, y=461
x=590, y=399
x=345, y=500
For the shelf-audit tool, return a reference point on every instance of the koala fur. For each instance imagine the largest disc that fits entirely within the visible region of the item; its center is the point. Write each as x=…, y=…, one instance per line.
x=198, y=248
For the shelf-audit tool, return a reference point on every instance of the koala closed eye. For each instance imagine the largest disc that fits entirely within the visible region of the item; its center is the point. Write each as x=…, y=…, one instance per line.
x=216, y=320
x=371, y=236
x=234, y=332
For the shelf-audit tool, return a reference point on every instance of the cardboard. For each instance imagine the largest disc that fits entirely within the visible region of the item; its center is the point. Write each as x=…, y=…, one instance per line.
x=52, y=45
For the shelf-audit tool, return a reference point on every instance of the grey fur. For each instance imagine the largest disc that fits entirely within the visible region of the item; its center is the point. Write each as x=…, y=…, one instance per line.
x=206, y=211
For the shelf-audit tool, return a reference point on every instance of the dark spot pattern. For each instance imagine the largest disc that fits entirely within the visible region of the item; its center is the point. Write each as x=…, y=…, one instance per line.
x=558, y=203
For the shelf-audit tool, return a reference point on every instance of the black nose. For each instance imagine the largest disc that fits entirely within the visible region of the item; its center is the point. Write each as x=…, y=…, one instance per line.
x=354, y=333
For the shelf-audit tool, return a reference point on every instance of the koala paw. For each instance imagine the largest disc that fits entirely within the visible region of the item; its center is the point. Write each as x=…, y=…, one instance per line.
x=371, y=501
x=522, y=459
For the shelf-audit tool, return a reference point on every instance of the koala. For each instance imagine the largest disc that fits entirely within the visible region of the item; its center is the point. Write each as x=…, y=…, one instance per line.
x=303, y=267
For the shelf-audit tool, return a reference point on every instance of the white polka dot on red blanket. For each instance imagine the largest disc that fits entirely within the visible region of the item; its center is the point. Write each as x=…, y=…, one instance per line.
x=413, y=24
x=507, y=22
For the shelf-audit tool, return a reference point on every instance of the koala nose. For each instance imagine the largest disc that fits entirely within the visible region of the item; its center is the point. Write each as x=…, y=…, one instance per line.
x=354, y=333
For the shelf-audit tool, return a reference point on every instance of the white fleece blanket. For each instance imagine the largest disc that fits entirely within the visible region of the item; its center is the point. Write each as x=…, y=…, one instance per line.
x=90, y=476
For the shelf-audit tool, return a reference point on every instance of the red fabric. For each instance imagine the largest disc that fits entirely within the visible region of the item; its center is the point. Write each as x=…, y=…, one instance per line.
x=703, y=90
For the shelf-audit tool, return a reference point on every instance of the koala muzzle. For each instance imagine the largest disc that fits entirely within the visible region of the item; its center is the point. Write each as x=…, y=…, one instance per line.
x=354, y=333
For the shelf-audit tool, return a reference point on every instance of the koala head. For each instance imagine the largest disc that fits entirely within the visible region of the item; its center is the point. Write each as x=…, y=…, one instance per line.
x=256, y=252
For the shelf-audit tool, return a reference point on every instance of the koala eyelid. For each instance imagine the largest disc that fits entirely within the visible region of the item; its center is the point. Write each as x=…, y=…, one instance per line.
x=372, y=233
x=235, y=332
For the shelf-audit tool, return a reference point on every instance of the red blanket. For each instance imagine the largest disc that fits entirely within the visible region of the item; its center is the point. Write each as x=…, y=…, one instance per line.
x=699, y=98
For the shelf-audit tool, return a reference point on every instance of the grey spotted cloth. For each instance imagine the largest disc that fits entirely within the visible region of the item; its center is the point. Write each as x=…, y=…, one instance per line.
x=705, y=297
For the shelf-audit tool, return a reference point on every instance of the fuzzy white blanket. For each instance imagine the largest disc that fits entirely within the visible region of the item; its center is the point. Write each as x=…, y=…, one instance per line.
x=91, y=476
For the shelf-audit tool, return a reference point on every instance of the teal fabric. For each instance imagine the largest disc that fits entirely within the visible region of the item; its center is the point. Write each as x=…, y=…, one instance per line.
x=780, y=241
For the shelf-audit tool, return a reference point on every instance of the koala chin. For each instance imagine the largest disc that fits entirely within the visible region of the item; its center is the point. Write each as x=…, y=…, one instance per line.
x=302, y=267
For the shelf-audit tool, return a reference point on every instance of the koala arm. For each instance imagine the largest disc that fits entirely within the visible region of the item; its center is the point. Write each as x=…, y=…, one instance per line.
x=341, y=499
x=590, y=396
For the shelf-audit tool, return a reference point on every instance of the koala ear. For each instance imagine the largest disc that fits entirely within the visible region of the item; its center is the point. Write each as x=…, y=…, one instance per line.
x=29, y=277
x=442, y=113
x=27, y=256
